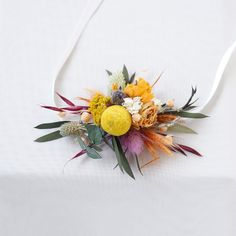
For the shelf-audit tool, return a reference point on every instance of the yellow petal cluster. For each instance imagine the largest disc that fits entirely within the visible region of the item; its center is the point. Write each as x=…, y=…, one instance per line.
x=141, y=89
x=97, y=106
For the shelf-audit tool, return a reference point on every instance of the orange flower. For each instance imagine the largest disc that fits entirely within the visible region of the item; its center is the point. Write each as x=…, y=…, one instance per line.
x=114, y=87
x=141, y=89
x=148, y=116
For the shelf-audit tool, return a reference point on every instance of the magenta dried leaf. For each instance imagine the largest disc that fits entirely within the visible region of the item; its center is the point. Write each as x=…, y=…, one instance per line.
x=53, y=108
x=189, y=149
x=78, y=154
x=75, y=108
x=178, y=149
x=67, y=101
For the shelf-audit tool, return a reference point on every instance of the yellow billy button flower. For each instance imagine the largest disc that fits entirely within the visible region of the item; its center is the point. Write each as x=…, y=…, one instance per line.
x=116, y=120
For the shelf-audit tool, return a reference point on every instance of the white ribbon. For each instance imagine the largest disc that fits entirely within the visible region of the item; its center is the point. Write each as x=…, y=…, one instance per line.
x=219, y=75
x=87, y=15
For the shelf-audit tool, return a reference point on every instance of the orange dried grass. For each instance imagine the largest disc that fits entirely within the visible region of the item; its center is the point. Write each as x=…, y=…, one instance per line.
x=83, y=99
x=153, y=152
x=161, y=142
x=166, y=118
x=154, y=142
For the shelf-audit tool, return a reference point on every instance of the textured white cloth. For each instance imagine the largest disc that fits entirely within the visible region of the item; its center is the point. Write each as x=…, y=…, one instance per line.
x=176, y=196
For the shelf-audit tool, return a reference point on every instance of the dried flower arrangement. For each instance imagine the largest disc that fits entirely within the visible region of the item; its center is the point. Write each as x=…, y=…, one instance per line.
x=128, y=120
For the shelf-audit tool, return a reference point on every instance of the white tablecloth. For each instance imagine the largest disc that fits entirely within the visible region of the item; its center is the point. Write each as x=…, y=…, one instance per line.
x=176, y=196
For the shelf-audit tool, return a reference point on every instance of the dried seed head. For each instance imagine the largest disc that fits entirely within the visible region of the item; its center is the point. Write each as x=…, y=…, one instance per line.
x=117, y=97
x=70, y=128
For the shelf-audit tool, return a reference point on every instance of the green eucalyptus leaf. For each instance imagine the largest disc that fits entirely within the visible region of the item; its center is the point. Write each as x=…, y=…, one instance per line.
x=94, y=133
x=49, y=137
x=96, y=147
x=181, y=128
x=50, y=125
x=125, y=74
x=91, y=152
x=81, y=143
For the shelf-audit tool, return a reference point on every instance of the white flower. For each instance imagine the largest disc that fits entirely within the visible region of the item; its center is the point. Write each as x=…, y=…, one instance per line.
x=157, y=102
x=133, y=105
x=116, y=78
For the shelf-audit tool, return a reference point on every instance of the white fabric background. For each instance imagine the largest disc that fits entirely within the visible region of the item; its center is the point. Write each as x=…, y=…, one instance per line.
x=176, y=196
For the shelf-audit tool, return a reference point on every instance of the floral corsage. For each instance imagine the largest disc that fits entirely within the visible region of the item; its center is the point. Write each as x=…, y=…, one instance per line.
x=129, y=120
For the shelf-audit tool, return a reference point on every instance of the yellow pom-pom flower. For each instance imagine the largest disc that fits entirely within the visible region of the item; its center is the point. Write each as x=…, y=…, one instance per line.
x=97, y=106
x=116, y=120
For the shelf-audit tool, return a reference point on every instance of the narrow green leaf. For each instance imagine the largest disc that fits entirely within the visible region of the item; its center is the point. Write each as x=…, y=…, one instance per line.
x=131, y=80
x=81, y=142
x=191, y=115
x=117, y=152
x=125, y=74
x=115, y=166
x=94, y=133
x=194, y=91
x=190, y=108
x=49, y=137
x=91, y=152
x=50, y=125
x=138, y=165
x=106, y=141
x=181, y=128
x=124, y=161
x=190, y=104
x=108, y=72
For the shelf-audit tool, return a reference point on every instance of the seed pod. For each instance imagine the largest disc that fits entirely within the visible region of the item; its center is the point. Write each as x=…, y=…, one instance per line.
x=85, y=117
x=70, y=128
x=170, y=103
